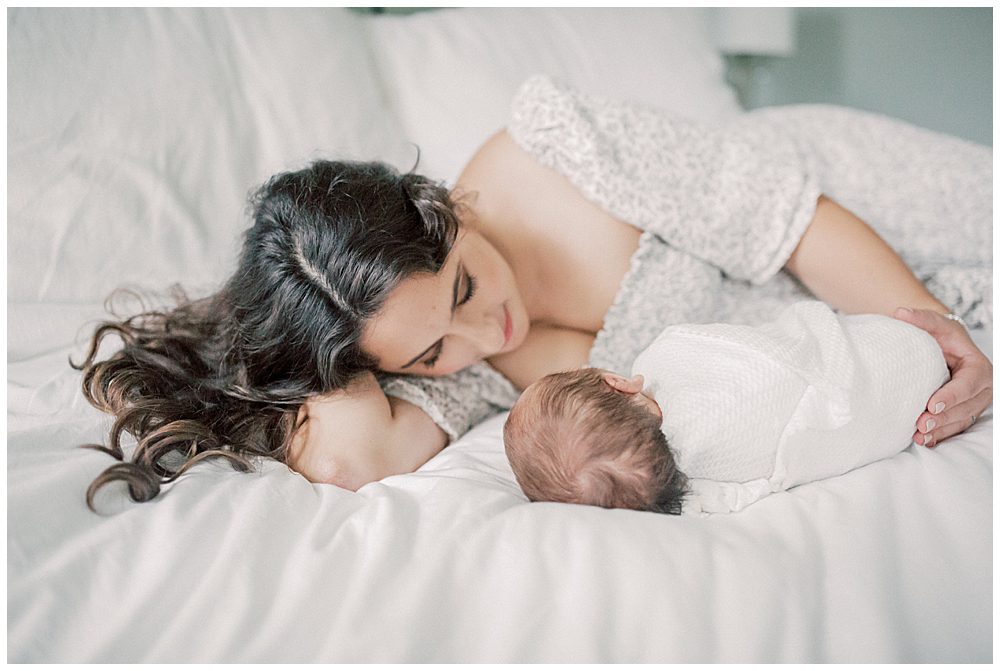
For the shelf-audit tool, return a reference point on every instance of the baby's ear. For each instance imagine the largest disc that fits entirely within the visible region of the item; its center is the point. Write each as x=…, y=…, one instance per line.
x=622, y=384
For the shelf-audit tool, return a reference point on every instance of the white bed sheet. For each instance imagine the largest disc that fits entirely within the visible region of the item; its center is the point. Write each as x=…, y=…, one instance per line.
x=133, y=136
x=892, y=562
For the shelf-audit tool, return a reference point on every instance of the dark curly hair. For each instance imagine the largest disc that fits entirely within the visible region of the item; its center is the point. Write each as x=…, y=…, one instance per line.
x=223, y=376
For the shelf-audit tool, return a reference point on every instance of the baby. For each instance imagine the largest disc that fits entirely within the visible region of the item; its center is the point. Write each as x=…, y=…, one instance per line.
x=716, y=416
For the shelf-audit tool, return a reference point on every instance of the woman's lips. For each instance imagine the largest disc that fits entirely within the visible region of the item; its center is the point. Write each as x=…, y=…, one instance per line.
x=508, y=328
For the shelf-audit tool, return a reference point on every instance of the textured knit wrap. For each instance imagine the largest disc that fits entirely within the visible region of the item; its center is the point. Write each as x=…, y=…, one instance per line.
x=751, y=410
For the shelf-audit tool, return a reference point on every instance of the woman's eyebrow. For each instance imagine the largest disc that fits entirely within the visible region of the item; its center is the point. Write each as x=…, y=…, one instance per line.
x=454, y=304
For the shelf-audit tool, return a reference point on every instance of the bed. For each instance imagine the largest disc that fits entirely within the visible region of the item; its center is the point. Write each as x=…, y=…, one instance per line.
x=134, y=137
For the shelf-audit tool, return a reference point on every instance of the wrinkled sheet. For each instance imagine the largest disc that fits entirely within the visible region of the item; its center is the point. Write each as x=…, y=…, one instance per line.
x=891, y=562
x=133, y=137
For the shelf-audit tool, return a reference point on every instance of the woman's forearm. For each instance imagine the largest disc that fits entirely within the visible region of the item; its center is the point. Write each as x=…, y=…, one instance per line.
x=847, y=265
x=359, y=435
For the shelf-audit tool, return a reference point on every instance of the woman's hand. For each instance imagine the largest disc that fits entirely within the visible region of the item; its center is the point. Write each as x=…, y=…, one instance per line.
x=954, y=407
x=847, y=265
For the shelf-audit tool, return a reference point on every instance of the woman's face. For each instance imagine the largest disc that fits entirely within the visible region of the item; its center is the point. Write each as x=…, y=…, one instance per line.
x=437, y=324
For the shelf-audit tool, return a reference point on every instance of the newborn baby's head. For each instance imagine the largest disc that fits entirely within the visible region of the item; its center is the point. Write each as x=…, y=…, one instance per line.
x=593, y=437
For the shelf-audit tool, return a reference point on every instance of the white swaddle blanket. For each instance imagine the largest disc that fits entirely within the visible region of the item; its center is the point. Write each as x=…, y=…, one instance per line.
x=750, y=410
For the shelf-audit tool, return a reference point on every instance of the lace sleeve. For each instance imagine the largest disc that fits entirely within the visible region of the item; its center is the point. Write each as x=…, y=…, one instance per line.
x=455, y=402
x=737, y=196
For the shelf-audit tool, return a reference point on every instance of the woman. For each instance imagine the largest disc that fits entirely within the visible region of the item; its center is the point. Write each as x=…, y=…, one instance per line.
x=376, y=317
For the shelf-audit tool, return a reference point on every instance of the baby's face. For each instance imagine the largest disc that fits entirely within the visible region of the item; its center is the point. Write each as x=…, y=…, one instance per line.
x=633, y=388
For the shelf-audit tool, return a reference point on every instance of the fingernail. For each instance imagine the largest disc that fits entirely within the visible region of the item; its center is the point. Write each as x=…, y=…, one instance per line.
x=931, y=424
x=928, y=438
x=938, y=407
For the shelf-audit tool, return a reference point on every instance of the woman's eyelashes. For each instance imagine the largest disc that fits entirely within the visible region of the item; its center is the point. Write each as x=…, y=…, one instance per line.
x=470, y=288
x=470, y=291
x=429, y=363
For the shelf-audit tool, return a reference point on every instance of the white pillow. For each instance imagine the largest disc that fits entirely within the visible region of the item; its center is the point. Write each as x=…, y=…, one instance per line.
x=451, y=73
x=134, y=136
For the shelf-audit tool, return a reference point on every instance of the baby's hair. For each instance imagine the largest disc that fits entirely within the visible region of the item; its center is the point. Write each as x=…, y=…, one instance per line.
x=571, y=438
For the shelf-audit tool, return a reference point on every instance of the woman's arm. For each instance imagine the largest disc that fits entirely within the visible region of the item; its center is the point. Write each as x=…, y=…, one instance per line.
x=359, y=435
x=846, y=264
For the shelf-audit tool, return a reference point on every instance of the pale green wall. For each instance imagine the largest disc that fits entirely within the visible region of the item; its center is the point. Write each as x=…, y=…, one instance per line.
x=930, y=66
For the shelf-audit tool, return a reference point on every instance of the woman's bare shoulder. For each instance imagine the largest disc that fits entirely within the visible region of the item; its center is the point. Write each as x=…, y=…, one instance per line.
x=499, y=165
x=511, y=195
x=507, y=185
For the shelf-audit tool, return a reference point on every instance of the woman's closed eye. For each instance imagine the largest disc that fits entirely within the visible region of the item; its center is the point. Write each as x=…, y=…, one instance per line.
x=470, y=291
x=429, y=363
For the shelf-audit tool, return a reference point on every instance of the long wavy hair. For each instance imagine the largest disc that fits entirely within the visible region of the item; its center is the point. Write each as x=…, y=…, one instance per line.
x=224, y=376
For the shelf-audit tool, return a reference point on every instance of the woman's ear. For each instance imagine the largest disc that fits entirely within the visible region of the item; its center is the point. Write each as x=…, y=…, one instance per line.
x=625, y=385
